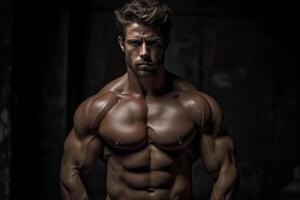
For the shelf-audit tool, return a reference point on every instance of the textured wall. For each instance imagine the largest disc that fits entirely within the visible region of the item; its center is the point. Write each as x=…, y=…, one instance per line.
x=5, y=92
x=242, y=54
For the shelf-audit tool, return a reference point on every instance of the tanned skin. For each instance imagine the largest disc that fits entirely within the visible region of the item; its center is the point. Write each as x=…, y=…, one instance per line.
x=149, y=127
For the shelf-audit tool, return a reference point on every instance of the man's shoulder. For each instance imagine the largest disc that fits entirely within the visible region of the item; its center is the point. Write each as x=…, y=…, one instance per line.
x=108, y=94
x=93, y=109
x=97, y=101
x=197, y=102
x=190, y=93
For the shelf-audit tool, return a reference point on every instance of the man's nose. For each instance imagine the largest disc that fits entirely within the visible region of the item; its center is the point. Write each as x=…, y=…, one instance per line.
x=144, y=52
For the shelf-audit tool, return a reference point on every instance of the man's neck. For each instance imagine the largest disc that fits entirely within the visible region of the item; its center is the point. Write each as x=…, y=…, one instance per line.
x=149, y=85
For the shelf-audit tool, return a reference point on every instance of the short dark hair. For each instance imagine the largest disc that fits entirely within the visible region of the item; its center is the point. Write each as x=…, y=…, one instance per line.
x=147, y=12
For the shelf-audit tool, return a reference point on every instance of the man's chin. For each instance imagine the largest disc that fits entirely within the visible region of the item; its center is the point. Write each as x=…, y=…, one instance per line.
x=145, y=73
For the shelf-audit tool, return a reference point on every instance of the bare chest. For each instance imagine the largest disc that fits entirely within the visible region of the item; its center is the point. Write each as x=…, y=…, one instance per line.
x=135, y=122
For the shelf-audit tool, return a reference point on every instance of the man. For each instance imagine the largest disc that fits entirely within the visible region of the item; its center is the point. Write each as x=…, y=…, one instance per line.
x=148, y=126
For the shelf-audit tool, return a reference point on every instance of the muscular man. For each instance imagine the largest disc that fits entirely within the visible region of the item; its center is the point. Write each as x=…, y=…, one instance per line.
x=148, y=125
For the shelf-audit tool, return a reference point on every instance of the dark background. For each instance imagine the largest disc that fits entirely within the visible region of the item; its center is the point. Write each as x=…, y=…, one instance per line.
x=54, y=54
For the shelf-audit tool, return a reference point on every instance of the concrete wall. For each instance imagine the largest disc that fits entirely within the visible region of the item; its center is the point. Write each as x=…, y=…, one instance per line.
x=5, y=96
x=243, y=54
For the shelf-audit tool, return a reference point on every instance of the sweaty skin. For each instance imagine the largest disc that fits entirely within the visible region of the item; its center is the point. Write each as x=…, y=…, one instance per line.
x=149, y=127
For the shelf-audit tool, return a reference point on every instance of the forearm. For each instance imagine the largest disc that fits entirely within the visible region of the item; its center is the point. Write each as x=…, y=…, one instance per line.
x=224, y=185
x=219, y=160
x=72, y=187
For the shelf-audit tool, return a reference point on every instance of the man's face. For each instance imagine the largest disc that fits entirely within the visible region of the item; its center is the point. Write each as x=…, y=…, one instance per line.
x=144, y=48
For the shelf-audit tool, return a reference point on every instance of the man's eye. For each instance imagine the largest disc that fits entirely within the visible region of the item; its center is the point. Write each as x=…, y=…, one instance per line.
x=153, y=43
x=135, y=43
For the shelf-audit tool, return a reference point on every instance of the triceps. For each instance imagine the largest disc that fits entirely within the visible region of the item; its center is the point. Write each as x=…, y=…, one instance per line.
x=93, y=148
x=208, y=156
x=217, y=153
x=80, y=156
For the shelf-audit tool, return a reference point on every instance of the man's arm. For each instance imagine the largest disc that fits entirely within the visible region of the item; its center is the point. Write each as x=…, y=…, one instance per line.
x=218, y=159
x=83, y=145
x=217, y=153
x=80, y=155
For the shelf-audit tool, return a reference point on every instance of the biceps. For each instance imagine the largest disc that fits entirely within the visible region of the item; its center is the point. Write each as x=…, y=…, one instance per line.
x=208, y=155
x=81, y=154
x=217, y=153
x=225, y=154
x=225, y=150
x=92, y=151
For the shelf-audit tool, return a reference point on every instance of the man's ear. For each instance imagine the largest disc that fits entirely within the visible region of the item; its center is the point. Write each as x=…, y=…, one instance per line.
x=121, y=42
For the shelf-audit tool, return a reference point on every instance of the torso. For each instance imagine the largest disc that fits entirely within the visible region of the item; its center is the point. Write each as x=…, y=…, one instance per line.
x=150, y=147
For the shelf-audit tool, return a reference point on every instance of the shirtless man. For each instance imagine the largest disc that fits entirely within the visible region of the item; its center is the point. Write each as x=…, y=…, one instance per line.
x=148, y=126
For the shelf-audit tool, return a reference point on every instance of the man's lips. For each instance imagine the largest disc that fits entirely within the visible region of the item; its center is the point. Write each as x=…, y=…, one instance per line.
x=145, y=66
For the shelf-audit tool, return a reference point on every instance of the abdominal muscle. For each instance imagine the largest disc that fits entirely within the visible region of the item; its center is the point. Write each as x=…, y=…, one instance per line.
x=149, y=174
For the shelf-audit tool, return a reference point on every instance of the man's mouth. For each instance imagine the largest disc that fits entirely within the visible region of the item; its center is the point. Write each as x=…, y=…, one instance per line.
x=145, y=66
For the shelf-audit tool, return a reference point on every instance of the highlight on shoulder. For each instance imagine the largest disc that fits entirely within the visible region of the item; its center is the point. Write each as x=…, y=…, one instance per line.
x=90, y=112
